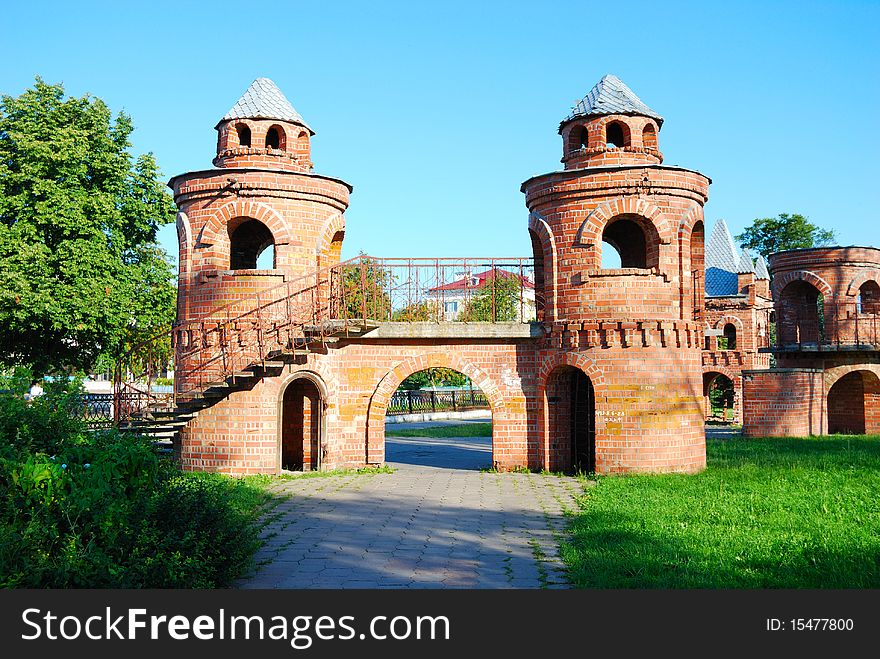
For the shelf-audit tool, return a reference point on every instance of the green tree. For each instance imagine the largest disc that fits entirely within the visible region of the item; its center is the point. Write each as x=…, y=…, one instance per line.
x=363, y=289
x=497, y=300
x=435, y=377
x=788, y=231
x=424, y=311
x=81, y=273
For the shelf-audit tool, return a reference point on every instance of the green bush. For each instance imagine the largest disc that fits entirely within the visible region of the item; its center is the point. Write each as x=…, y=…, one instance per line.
x=102, y=510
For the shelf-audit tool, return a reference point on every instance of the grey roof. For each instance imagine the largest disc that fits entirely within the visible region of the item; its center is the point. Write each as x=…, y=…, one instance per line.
x=722, y=262
x=611, y=96
x=761, y=268
x=263, y=100
x=746, y=264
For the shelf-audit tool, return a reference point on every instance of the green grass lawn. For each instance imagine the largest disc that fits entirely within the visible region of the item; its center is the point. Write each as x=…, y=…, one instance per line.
x=461, y=430
x=766, y=513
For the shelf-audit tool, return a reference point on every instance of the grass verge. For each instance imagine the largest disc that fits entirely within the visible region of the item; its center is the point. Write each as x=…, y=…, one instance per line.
x=462, y=430
x=766, y=513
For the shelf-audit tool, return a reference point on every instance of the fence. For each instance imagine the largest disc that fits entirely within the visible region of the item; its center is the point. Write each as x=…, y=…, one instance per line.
x=97, y=410
x=453, y=400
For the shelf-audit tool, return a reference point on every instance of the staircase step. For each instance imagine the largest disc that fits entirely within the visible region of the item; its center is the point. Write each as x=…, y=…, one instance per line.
x=287, y=353
x=268, y=364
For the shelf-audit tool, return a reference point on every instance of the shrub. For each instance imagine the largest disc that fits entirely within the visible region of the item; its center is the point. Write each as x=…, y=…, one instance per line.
x=103, y=510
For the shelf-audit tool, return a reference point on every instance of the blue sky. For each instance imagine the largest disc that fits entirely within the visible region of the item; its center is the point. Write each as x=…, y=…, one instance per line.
x=436, y=112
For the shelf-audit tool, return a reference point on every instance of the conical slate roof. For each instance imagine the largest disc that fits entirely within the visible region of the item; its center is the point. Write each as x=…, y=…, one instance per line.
x=263, y=100
x=722, y=262
x=761, y=268
x=746, y=264
x=611, y=96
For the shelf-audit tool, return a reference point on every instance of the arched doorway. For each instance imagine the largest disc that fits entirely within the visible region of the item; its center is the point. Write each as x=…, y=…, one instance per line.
x=302, y=425
x=719, y=392
x=439, y=418
x=571, y=420
x=853, y=404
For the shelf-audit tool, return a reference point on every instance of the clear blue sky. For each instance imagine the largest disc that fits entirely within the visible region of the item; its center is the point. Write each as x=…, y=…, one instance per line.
x=436, y=112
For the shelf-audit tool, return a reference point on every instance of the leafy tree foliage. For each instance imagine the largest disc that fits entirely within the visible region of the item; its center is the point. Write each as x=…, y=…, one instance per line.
x=435, y=377
x=788, y=231
x=417, y=312
x=81, y=274
x=497, y=301
x=363, y=290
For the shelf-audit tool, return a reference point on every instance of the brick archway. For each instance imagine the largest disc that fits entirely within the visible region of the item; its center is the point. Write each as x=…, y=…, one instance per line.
x=214, y=231
x=856, y=284
x=379, y=400
x=312, y=420
x=548, y=366
x=327, y=392
x=783, y=280
x=590, y=230
x=544, y=233
x=832, y=375
x=332, y=226
x=852, y=401
x=185, y=243
x=737, y=381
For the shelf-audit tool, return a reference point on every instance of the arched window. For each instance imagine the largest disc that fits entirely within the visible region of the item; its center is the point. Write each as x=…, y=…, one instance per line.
x=251, y=245
x=698, y=268
x=538, y=255
x=634, y=239
x=276, y=138
x=801, y=317
x=728, y=339
x=649, y=137
x=244, y=135
x=579, y=138
x=869, y=298
x=616, y=135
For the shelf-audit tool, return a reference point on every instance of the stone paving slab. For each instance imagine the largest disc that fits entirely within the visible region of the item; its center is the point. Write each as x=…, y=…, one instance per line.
x=422, y=526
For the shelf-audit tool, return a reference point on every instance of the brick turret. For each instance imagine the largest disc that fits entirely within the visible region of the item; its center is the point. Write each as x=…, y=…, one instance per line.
x=627, y=332
x=610, y=126
x=260, y=223
x=264, y=130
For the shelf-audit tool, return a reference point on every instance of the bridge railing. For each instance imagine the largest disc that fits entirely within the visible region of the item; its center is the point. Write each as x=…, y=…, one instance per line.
x=438, y=290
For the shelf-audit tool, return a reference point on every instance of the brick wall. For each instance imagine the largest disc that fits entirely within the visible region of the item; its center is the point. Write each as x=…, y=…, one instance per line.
x=784, y=403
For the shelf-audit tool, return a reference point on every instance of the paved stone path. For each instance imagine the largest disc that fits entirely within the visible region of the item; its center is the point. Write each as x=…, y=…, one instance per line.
x=420, y=527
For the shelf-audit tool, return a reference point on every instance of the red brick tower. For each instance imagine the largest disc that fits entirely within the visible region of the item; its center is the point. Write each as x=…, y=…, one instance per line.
x=620, y=376
x=827, y=374
x=261, y=222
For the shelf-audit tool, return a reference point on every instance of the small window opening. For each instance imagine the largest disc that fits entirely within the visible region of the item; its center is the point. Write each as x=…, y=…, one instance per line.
x=628, y=240
x=251, y=246
x=273, y=140
x=869, y=298
x=244, y=135
x=728, y=340
x=614, y=135
x=649, y=137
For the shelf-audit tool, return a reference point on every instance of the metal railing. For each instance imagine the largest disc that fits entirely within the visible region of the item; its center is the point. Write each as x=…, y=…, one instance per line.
x=828, y=325
x=436, y=290
x=407, y=401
